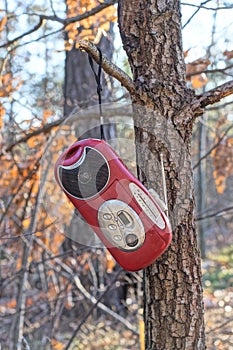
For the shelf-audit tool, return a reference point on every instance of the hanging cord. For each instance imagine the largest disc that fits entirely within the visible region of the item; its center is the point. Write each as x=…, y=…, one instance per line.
x=99, y=89
x=164, y=183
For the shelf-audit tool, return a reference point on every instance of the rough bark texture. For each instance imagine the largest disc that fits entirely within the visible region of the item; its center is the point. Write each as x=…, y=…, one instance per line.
x=151, y=35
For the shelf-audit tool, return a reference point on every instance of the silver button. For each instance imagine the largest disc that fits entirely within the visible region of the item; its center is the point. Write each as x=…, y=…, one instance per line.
x=117, y=238
x=107, y=216
x=112, y=227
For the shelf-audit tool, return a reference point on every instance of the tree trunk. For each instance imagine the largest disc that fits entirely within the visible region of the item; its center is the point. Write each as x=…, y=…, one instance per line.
x=80, y=85
x=151, y=35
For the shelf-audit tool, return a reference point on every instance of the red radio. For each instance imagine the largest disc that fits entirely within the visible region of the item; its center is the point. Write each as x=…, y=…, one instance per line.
x=127, y=219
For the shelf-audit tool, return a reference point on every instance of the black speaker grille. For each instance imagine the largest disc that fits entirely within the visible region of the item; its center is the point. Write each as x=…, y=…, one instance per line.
x=88, y=178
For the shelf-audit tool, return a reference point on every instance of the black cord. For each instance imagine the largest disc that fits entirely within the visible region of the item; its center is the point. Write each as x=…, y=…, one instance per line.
x=99, y=88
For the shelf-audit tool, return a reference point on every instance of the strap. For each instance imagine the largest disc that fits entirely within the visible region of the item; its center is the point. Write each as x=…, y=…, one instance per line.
x=99, y=89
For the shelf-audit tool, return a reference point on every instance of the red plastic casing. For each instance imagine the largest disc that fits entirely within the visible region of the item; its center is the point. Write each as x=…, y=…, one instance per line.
x=156, y=239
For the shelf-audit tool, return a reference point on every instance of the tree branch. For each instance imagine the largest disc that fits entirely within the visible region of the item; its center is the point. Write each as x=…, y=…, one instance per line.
x=34, y=29
x=108, y=66
x=213, y=147
x=44, y=129
x=92, y=12
x=79, y=17
x=198, y=9
x=208, y=8
x=82, y=289
x=88, y=313
x=64, y=21
x=209, y=71
x=217, y=213
x=212, y=96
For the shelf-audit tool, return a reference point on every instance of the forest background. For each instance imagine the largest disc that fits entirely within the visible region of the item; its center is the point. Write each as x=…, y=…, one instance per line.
x=48, y=283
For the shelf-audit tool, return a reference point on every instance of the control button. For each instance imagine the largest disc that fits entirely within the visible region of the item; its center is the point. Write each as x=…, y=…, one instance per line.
x=131, y=240
x=107, y=216
x=121, y=225
x=112, y=227
x=117, y=238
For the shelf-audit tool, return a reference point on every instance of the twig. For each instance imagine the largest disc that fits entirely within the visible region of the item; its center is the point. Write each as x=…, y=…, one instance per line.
x=108, y=66
x=64, y=21
x=223, y=105
x=212, y=96
x=208, y=8
x=34, y=29
x=44, y=129
x=195, y=12
x=88, y=313
x=213, y=147
x=30, y=174
x=220, y=326
x=217, y=213
x=83, y=290
x=83, y=116
x=209, y=71
x=52, y=8
x=18, y=324
x=92, y=12
x=25, y=344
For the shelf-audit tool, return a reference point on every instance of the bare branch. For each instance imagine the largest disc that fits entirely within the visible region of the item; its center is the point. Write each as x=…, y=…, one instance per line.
x=209, y=8
x=223, y=105
x=217, y=213
x=195, y=12
x=92, y=12
x=219, y=326
x=108, y=66
x=52, y=8
x=18, y=323
x=210, y=71
x=34, y=29
x=88, y=313
x=44, y=129
x=83, y=290
x=212, y=96
x=64, y=21
x=25, y=344
x=213, y=147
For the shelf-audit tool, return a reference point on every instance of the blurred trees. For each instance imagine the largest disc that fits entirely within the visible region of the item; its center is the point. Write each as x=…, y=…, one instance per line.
x=40, y=282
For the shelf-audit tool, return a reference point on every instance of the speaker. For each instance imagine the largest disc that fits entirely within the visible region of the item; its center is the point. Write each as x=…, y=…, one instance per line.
x=87, y=177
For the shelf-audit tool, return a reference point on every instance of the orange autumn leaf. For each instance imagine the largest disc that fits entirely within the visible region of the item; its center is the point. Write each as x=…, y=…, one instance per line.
x=199, y=80
x=223, y=163
x=110, y=264
x=2, y=113
x=2, y=23
x=56, y=345
x=228, y=54
x=46, y=114
x=88, y=28
x=26, y=223
x=32, y=142
x=11, y=304
x=197, y=66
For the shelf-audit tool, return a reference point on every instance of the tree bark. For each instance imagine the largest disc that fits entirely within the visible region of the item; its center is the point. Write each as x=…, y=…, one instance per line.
x=163, y=117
